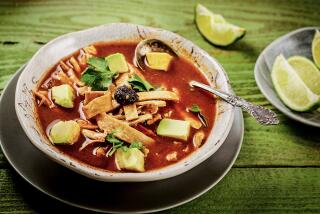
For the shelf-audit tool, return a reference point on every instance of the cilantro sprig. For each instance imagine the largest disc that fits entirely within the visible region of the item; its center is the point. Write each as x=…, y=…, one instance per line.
x=98, y=75
x=118, y=144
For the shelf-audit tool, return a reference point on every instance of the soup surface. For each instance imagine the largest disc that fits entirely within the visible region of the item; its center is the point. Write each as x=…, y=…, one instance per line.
x=168, y=125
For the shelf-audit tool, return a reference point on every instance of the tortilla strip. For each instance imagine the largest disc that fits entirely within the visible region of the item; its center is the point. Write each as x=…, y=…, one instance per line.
x=64, y=66
x=158, y=95
x=123, y=79
x=141, y=119
x=91, y=95
x=98, y=105
x=159, y=103
x=74, y=78
x=121, y=130
x=75, y=64
x=130, y=111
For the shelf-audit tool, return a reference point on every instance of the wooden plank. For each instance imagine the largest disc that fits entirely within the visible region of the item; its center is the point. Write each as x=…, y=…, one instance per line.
x=268, y=190
x=26, y=25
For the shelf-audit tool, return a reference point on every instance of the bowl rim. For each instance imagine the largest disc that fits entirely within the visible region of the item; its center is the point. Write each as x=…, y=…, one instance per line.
x=259, y=79
x=158, y=174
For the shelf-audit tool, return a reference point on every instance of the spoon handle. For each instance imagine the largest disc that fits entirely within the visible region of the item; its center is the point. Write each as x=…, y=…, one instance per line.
x=262, y=115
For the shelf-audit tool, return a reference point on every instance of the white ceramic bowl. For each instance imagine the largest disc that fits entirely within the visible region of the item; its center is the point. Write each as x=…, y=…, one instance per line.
x=64, y=45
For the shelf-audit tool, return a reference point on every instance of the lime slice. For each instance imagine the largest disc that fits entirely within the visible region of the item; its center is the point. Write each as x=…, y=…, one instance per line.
x=316, y=48
x=291, y=89
x=215, y=28
x=307, y=71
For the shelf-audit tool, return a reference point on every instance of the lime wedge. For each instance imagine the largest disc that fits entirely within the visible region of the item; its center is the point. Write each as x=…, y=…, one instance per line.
x=215, y=28
x=307, y=71
x=316, y=48
x=291, y=89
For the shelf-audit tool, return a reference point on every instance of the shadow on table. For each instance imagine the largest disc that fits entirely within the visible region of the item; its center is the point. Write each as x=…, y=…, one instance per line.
x=40, y=202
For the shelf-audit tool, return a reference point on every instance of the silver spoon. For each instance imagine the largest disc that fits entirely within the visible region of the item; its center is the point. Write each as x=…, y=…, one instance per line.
x=262, y=115
x=149, y=45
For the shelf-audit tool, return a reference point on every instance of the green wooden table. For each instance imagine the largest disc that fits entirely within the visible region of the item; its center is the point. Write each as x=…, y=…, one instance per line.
x=278, y=169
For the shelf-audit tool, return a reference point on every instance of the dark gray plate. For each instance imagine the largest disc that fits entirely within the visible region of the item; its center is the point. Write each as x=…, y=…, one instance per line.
x=297, y=42
x=76, y=190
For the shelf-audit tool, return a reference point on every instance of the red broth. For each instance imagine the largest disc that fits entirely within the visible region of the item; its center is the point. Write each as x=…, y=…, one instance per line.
x=177, y=77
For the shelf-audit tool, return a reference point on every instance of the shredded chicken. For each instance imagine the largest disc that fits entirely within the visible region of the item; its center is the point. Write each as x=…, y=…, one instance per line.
x=84, y=124
x=74, y=78
x=122, y=130
x=89, y=142
x=198, y=138
x=44, y=98
x=82, y=90
x=172, y=156
x=93, y=135
x=82, y=59
x=154, y=119
x=63, y=78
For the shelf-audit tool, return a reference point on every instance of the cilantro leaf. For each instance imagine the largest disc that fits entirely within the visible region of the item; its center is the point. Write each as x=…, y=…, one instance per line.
x=195, y=108
x=116, y=144
x=136, y=144
x=98, y=76
x=139, y=84
x=97, y=63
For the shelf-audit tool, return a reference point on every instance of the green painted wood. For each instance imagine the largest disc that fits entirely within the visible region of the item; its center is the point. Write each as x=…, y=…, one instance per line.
x=272, y=190
x=27, y=25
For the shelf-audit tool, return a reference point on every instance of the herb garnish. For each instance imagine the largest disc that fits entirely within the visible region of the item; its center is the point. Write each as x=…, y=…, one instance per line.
x=98, y=75
x=139, y=84
x=118, y=144
x=196, y=109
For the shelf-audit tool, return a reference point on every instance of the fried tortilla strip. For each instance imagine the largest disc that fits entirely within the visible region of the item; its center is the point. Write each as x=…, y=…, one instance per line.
x=159, y=103
x=122, y=130
x=158, y=95
x=140, y=119
x=130, y=111
x=75, y=64
x=64, y=66
x=98, y=105
x=91, y=95
x=123, y=79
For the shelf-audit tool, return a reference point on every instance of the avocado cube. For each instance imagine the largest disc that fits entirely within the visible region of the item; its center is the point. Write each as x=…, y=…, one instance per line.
x=65, y=132
x=158, y=60
x=63, y=95
x=130, y=159
x=178, y=129
x=117, y=63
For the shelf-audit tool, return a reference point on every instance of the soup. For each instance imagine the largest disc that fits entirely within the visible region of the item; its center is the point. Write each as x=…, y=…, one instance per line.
x=100, y=109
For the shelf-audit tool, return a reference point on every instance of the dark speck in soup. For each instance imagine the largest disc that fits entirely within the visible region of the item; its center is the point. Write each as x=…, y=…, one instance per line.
x=176, y=78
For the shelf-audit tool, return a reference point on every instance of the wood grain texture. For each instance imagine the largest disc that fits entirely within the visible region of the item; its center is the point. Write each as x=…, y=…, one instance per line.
x=273, y=190
x=261, y=182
